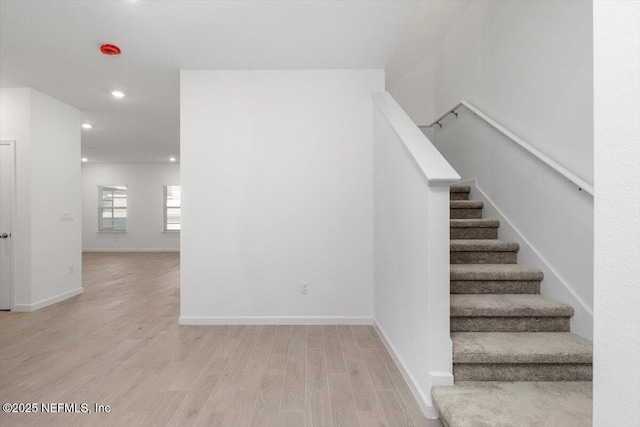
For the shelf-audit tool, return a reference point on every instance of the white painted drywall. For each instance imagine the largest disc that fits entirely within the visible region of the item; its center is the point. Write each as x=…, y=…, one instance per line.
x=548, y=216
x=145, y=215
x=616, y=382
x=47, y=134
x=527, y=64
x=55, y=188
x=409, y=73
x=411, y=250
x=277, y=177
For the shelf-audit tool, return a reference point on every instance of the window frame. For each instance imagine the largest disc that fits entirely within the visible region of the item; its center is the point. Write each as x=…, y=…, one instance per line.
x=165, y=208
x=113, y=208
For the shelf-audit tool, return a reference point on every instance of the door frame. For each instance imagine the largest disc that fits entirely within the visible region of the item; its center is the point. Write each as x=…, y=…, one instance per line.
x=12, y=217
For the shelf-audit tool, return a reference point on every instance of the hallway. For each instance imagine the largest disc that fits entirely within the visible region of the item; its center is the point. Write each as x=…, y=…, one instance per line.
x=119, y=344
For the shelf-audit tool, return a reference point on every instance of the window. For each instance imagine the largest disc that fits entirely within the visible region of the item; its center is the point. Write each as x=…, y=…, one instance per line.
x=112, y=209
x=171, y=208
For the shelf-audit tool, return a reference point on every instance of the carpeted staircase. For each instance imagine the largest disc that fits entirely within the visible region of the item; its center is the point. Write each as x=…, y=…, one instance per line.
x=515, y=362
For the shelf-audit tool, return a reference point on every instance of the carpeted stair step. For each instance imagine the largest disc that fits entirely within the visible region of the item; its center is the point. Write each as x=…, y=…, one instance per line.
x=474, y=228
x=459, y=192
x=494, y=279
x=509, y=313
x=521, y=356
x=515, y=363
x=508, y=404
x=465, y=209
x=485, y=251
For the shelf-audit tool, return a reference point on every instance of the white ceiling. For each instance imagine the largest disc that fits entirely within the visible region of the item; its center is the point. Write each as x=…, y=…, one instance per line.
x=53, y=46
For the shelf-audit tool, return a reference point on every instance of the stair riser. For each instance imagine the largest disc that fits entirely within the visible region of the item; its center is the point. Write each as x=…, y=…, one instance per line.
x=522, y=372
x=495, y=287
x=459, y=196
x=510, y=324
x=473, y=233
x=483, y=257
x=475, y=213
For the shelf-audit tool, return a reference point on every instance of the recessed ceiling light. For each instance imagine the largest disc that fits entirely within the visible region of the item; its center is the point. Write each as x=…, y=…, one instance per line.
x=117, y=94
x=172, y=159
x=86, y=126
x=84, y=160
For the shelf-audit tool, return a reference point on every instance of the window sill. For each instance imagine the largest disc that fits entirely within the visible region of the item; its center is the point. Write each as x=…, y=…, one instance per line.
x=171, y=231
x=111, y=232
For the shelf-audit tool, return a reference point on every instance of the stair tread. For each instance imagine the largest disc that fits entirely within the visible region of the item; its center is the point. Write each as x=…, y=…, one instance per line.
x=494, y=272
x=520, y=347
x=460, y=189
x=480, y=223
x=507, y=305
x=466, y=204
x=482, y=245
x=501, y=404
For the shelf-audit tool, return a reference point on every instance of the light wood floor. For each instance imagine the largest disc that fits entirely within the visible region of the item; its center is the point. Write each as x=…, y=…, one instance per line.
x=119, y=344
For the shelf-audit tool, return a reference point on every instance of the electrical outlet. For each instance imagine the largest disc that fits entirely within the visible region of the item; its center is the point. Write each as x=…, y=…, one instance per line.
x=304, y=288
x=72, y=269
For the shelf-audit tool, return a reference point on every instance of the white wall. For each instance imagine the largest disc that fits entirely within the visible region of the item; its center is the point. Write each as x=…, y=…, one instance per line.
x=409, y=73
x=47, y=134
x=616, y=382
x=277, y=176
x=527, y=64
x=55, y=188
x=145, y=215
x=548, y=216
x=411, y=250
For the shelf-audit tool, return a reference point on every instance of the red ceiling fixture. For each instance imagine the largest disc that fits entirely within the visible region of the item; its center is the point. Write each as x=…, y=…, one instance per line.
x=110, y=49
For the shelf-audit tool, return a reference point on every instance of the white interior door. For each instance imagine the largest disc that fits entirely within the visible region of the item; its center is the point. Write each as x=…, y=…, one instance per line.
x=6, y=182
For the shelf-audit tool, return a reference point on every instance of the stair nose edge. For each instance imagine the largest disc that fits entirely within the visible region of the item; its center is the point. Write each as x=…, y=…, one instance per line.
x=494, y=272
x=482, y=245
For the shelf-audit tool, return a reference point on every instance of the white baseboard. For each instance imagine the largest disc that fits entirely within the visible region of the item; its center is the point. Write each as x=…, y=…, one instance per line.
x=273, y=320
x=132, y=250
x=429, y=411
x=48, y=301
